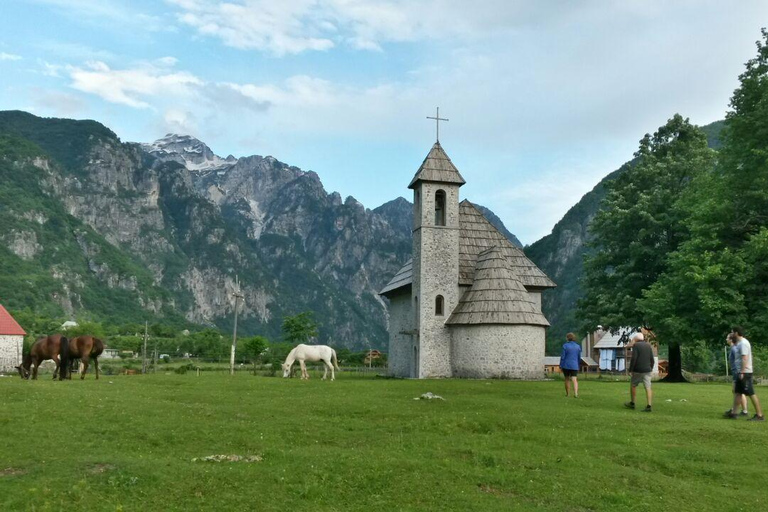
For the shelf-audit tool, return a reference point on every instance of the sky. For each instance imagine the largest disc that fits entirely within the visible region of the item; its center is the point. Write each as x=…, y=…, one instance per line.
x=544, y=98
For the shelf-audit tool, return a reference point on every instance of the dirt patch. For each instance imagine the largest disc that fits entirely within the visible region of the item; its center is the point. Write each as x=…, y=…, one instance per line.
x=97, y=469
x=12, y=472
x=229, y=458
x=488, y=489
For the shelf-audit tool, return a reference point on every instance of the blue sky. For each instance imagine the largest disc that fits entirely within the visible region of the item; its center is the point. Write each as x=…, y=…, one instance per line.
x=544, y=98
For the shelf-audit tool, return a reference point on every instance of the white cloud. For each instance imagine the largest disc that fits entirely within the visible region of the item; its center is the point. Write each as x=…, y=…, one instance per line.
x=293, y=27
x=176, y=120
x=121, y=14
x=57, y=103
x=277, y=27
x=9, y=56
x=131, y=87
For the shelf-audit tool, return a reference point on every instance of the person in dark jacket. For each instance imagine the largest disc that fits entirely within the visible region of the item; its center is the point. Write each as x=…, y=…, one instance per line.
x=569, y=364
x=641, y=366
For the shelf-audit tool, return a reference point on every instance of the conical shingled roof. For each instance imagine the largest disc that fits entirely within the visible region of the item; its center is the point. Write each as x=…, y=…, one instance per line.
x=497, y=296
x=476, y=234
x=437, y=167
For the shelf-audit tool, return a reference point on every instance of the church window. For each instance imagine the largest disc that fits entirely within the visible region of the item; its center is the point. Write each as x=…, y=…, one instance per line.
x=439, y=305
x=440, y=208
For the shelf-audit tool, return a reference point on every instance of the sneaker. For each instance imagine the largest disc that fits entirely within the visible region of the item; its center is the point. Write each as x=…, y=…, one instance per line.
x=743, y=413
x=647, y=408
x=629, y=405
x=757, y=418
x=730, y=414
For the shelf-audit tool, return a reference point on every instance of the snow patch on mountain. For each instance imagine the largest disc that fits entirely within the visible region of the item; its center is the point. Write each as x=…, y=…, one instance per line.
x=190, y=152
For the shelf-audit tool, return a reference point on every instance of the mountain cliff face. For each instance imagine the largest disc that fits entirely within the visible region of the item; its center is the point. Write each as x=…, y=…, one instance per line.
x=100, y=228
x=561, y=253
x=94, y=227
x=128, y=231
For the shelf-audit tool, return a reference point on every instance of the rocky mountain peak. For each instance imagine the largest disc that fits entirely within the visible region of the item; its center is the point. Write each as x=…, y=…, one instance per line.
x=190, y=152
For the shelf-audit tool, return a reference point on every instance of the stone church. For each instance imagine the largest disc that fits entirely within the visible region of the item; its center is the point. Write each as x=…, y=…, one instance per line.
x=468, y=304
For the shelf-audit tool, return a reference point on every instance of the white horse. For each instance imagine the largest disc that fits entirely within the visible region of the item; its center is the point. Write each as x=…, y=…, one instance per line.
x=311, y=353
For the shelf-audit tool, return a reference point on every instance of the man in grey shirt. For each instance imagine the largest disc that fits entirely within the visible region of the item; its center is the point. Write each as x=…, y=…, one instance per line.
x=641, y=367
x=744, y=381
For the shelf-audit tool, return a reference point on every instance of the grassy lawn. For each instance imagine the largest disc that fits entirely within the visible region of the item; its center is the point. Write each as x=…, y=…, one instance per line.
x=363, y=443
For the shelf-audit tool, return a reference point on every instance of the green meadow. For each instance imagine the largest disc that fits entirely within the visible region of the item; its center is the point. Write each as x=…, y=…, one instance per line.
x=364, y=443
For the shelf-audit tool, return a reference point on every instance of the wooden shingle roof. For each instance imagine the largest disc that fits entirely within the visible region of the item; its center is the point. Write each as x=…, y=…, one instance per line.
x=404, y=277
x=437, y=167
x=476, y=234
x=497, y=296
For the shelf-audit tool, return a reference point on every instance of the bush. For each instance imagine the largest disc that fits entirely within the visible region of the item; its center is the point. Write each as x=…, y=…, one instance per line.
x=181, y=370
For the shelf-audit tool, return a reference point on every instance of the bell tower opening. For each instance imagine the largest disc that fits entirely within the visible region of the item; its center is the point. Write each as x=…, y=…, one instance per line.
x=440, y=208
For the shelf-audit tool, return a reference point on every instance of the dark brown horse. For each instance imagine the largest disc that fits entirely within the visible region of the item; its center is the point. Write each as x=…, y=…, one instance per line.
x=83, y=348
x=48, y=347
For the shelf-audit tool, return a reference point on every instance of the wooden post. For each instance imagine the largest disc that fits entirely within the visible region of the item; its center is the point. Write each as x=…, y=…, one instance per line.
x=144, y=353
x=237, y=296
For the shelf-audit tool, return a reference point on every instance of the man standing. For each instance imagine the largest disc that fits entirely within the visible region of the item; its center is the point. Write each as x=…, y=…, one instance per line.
x=744, y=382
x=570, y=360
x=734, y=360
x=641, y=366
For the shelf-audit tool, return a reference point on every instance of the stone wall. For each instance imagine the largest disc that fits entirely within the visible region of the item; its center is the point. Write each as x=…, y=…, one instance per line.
x=401, y=344
x=498, y=351
x=435, y=272
x=10, y=353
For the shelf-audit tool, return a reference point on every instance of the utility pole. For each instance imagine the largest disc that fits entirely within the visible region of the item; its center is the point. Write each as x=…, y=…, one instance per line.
x=144, y=353
x=237, y=295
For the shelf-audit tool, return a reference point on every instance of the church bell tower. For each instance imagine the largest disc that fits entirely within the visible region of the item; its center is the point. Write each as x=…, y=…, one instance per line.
x=435, y=290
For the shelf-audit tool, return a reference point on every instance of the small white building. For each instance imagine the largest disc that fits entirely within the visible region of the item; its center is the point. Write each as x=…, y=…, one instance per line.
x=613, y=350
x=11, y=342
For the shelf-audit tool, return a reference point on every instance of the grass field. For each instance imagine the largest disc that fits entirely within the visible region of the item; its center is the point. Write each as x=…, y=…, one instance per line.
x=363, y=443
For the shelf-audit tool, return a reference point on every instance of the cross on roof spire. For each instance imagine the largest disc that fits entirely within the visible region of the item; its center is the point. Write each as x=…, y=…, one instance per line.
x=437, y=119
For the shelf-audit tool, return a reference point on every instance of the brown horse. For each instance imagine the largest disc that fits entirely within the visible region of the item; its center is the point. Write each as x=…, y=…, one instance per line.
x=48, y=347
x=84, y=348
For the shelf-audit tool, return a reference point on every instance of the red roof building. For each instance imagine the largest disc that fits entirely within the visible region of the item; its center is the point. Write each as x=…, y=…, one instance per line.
x=11, y=342
x=9, y=326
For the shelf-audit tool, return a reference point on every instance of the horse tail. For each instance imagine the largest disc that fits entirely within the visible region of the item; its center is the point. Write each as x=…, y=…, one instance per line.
x=335, y=361
x=63, y=357
x=97, y=349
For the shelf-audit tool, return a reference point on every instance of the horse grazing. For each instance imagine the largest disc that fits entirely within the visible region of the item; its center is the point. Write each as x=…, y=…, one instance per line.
x=84, y=348
x=48, y=347
x=311, y=353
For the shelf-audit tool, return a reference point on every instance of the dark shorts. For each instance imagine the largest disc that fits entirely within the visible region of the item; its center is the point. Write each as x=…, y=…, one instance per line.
x=570, y=373
x=744, y=386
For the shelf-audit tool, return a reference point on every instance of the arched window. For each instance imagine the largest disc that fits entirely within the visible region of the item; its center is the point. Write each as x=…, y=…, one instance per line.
x=440, y=208
x=439, y=305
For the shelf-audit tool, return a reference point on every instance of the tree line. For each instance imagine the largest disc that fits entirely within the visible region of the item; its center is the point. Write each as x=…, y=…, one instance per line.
x=206, y=343
x=680, y=244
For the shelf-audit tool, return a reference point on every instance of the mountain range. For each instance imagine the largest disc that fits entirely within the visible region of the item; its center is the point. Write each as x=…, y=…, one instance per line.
x=94, y=227
x=103, y=229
